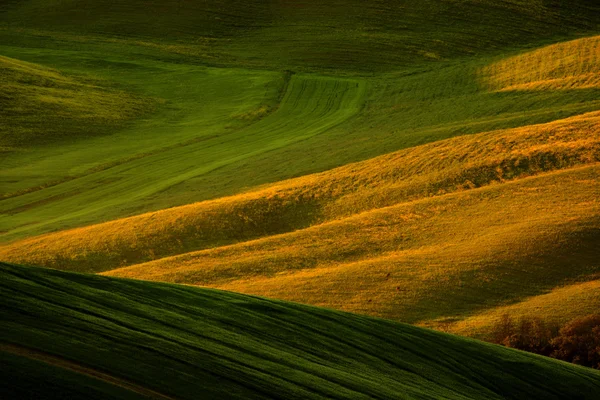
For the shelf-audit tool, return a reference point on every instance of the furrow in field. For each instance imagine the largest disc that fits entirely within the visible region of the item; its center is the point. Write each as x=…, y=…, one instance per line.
x=457, y=164
x=62, y=363
x=300, y=116
x=187, y=341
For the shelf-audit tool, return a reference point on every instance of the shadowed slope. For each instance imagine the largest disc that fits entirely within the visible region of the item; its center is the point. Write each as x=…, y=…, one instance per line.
x=40, y=105
x=442, y=257
x=557, y=307
x=186, y=341
x=43, y=376
x=334, y=35
x=443, y=167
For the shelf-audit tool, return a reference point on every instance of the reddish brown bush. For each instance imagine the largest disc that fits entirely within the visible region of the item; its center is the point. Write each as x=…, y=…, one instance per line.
x=578, y=341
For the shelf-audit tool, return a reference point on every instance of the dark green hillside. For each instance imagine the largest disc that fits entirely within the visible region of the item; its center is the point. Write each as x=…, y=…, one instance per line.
x=332, y=35
x=187, y=342
x=39, y=380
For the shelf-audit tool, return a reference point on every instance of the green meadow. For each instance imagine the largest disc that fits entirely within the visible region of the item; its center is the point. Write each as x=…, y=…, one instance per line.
x=430, y=162
x=199, y=93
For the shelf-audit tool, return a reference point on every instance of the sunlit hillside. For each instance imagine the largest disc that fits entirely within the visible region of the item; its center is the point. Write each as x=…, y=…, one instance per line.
x=428, y=259
x=196, y=145
x=556, y=307
x=455, y=165
x=431, y=162
x=564, y=66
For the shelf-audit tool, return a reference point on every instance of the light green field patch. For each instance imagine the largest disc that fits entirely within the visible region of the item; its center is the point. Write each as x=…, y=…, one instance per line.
x=311, y=106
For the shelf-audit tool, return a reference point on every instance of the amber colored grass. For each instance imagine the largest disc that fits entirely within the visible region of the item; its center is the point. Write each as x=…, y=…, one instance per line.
x=447, y=166
x=442, y=257
x=557, y=307
x=563, y=66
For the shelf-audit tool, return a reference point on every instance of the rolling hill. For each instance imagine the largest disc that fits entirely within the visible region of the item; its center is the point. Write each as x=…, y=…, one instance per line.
x=36, y=101
x=432, y=162
x=168, y=341
x=443, y=167
x=204, y=106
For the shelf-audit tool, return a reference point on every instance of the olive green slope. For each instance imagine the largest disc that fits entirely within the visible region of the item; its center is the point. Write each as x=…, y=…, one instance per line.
x=334, y=35
x=212, y=71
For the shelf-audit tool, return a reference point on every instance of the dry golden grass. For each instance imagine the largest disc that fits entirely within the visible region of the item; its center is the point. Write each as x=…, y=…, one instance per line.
x=441, y=257
x=563, y=66
x=448, y=166
x=558, y=307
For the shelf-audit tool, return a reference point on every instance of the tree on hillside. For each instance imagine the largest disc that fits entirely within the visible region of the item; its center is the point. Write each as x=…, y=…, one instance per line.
x=579, y=342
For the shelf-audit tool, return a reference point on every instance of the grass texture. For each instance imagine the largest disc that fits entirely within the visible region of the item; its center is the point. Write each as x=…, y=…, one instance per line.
x=391, y=158
x=429, y=259
x=310, y=106
x=202, y=109
x=450, y=166
x=557, y=307
x=39, y=105
x=340, y=35
x=188, y=343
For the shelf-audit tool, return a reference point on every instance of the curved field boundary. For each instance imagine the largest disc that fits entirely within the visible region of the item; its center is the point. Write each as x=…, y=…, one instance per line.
x=311, y=106
x=557, y=307
x=60, y=362
x=441, y=257
x=447, y=166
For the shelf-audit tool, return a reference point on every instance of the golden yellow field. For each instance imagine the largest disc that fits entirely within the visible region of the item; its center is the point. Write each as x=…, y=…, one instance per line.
x=451, y=234
x=556, y=307
x=439, y=257
x=453, y=165
x=564, y=66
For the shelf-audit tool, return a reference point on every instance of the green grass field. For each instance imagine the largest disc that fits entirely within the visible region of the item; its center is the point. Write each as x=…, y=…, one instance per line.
x=433, y=162
x=186, y=342
x=397, y=105
x=310, y=106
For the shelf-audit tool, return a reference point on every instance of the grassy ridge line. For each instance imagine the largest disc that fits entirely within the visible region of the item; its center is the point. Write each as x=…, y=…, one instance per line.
x=557, y=307
x=227, y=345
x=311, y=106
x=443, y=167
x=40, y=105
x=446, y=256
x=400, y=111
